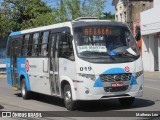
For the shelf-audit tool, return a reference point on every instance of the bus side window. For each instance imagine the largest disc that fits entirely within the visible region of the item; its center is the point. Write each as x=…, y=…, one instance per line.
x=20, y=43
x=24, y=50
x=30, y=43
x=44, y=45
x=35, y=44
x=9, y=47
x=65, y=47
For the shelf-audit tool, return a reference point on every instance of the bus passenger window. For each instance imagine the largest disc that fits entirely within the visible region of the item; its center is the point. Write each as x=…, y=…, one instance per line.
x=44, y=45
x=35, y=44
x=65, y=47
x=30, y=43
x=24, y=50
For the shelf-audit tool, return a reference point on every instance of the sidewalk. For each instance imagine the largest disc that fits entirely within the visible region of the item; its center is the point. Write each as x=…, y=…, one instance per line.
x=155, y=74
x=2, y=76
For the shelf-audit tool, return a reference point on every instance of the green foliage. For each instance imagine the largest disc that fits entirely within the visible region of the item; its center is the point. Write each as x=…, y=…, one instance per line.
x=108, y=16
x=72, y=9
x=23, y=14
x=5, y=24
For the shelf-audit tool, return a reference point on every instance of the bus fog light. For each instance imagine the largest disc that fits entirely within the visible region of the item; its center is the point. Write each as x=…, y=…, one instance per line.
x=87, y=91
x=138, y=74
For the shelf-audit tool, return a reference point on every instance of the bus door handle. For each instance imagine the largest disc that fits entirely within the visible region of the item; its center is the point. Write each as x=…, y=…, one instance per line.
x=56, y=73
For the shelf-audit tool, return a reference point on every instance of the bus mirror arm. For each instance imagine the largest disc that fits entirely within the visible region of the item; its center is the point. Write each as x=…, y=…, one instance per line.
x=68, y=35
x=72, y=58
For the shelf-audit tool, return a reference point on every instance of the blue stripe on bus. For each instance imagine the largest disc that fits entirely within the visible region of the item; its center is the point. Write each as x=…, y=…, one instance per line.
x=99, y=82
x=21, y=71
x=15, y=33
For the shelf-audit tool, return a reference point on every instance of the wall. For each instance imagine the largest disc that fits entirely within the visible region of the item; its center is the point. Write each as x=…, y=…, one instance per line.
x=150, y=27
x=150, y=21
x=156, y=3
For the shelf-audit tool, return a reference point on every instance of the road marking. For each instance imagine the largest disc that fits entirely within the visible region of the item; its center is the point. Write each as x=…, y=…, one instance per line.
x=152, y=88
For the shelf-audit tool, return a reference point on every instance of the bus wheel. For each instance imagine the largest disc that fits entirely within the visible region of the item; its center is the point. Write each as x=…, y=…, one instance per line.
x=69, y=103
x=24, y=92
x=126, y=101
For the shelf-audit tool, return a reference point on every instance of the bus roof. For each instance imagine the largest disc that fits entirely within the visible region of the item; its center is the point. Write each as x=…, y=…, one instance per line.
x=39, y=29
x=62, y=25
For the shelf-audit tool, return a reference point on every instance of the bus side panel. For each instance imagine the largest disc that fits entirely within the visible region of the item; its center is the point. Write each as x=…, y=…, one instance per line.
x=22, y=71
x=8, y=70
x=38, y=78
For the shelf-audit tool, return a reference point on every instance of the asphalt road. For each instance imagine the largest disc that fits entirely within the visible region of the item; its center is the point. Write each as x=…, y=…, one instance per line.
x=12, y=101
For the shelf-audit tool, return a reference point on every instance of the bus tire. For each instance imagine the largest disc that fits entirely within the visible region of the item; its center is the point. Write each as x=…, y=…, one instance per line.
x=68, y=101
x=126, y=101
x=24, y=92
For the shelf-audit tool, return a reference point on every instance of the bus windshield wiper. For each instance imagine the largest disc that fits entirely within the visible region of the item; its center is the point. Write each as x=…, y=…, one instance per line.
x=111, y=54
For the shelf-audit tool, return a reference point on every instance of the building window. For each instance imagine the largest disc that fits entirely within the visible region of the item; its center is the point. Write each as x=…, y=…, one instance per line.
x=117, y=17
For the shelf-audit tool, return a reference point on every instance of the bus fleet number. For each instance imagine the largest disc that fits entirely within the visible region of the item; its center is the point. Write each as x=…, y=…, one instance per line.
x=85, y=68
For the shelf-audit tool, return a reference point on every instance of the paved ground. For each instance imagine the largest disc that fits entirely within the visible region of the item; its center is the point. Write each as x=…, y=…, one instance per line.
x=152, y=74
x=12, y=101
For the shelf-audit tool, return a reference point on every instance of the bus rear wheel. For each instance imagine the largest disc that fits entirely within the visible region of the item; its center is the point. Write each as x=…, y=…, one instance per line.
x=24, y=92
x=126, y=101
x=68, y=101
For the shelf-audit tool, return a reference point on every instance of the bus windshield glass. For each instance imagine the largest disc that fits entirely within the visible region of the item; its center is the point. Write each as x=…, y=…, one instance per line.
x=102, y=41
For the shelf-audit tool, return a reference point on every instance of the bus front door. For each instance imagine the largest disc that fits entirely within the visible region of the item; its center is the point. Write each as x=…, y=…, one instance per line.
x=54, y=68
x=14, y=70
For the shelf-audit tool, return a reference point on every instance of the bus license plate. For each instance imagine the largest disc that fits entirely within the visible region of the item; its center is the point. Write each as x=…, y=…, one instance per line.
x=116, y=84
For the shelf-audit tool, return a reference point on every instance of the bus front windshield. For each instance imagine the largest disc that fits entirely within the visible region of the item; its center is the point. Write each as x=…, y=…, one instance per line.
x=105, y=41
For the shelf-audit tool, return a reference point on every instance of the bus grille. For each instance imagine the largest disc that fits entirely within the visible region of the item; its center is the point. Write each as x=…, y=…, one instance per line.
x=115, y=77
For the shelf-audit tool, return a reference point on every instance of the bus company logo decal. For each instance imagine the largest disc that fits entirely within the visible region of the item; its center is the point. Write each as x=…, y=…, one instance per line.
x=127, y=69
x=27, y=65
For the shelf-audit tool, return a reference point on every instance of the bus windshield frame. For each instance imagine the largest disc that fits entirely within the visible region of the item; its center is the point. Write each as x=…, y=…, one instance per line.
x=105, y=43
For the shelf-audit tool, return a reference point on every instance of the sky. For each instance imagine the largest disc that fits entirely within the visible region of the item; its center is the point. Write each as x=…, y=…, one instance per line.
x=108, y=8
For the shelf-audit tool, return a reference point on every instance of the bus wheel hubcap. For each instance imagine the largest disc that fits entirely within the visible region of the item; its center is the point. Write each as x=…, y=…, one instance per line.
x=23, y=90
x=68, y=96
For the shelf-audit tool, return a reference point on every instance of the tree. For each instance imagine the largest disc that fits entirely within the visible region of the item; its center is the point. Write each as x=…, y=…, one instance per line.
x=93, y=8
x=71, y=9
x=24, y=14
x=108, y=16
x=6, y=24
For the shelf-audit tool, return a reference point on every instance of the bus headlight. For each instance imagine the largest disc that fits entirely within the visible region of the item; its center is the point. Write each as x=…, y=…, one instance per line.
x=88, y=76
x=139, y=74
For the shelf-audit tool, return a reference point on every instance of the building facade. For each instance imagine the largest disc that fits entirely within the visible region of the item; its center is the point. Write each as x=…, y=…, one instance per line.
x=121, y=10
x=129, y=11
x=150, y=31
